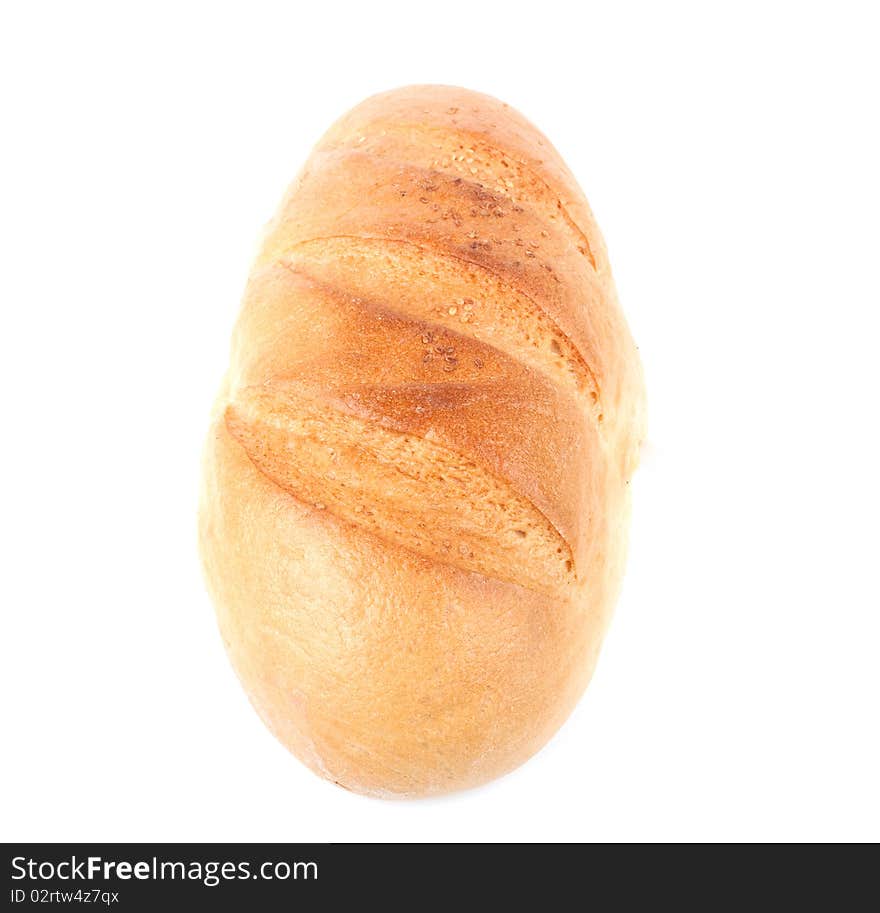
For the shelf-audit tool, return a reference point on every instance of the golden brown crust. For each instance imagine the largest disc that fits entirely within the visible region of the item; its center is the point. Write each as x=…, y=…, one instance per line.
x=488, y=138
x=361, y=195
x=414, y=511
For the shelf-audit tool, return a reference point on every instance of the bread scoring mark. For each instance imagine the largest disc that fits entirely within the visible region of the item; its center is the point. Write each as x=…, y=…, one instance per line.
x=401, y=487
x=460, y=314
x=452, y=217
x=456, y=152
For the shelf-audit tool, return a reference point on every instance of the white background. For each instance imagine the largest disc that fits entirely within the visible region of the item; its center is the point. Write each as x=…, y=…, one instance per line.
x=731, y=155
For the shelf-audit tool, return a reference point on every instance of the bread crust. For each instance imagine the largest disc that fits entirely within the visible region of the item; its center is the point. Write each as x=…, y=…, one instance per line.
x=414, y=506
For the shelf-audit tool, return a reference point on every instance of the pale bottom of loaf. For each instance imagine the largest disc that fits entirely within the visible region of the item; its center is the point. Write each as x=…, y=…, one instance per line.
x=386, y=672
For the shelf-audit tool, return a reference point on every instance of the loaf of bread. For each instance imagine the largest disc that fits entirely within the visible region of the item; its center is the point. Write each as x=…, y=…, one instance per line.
x=414, y=511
